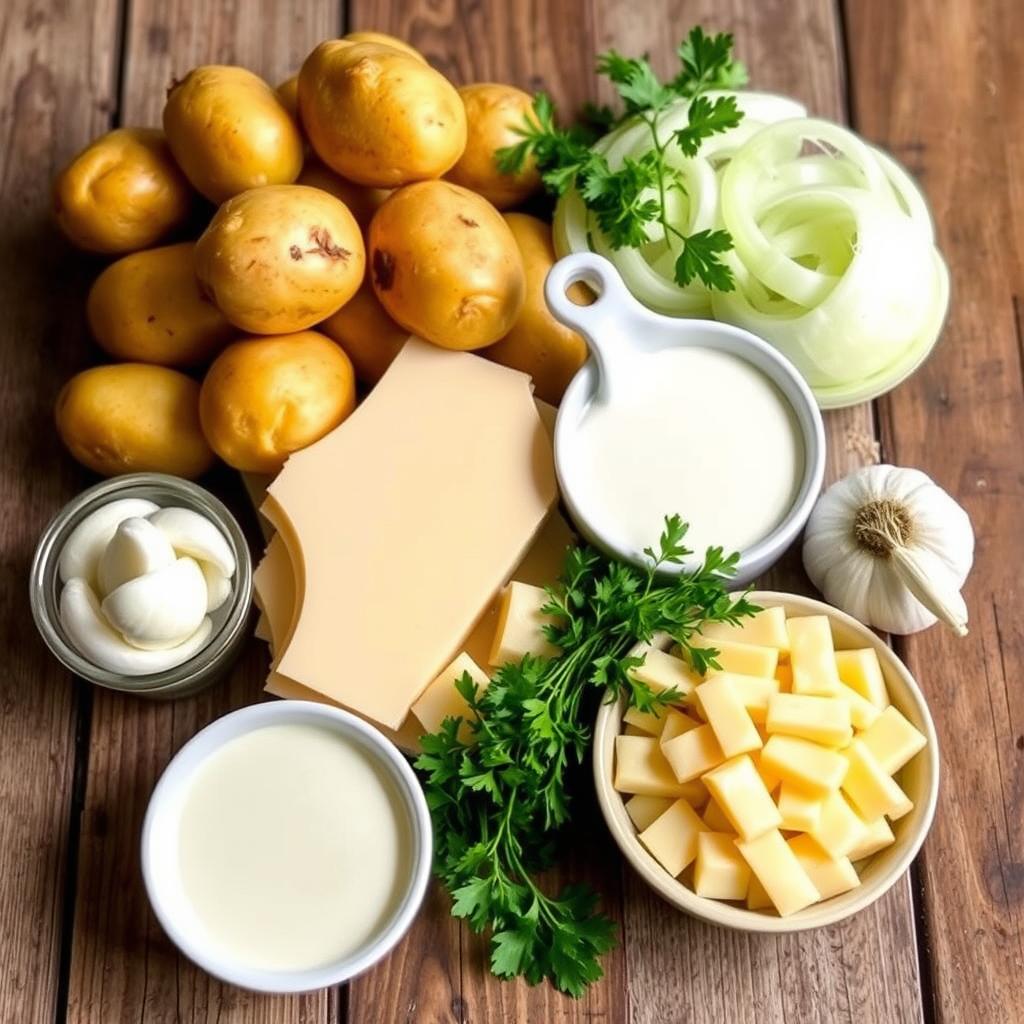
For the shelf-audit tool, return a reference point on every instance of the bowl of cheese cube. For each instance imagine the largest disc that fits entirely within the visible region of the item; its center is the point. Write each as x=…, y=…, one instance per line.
x=786, y=789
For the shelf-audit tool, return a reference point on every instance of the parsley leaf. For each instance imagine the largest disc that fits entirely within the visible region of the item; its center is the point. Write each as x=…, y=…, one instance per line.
x=635, y=82
x=706, y=119
x=699, y=258
x=707, y=64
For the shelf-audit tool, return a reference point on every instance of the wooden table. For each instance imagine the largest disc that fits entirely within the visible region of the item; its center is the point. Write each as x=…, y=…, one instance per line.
x=941, y=85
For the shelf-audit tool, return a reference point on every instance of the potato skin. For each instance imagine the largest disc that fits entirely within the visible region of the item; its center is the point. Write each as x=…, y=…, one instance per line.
x=230, y=132
x=363, y=201
x=123, y=192
x=370, y=338
x=264, y=398
x=492, y=113
x=280, y=258
x=538, y=344
x=132, y=418
x=383, y=39
x=148, y=308
x=378, y=116
x=446, y=266
x=288, y=94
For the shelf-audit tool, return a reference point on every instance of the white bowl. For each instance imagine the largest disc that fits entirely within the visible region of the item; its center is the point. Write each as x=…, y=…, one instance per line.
x=160, y=843
x=615, y=310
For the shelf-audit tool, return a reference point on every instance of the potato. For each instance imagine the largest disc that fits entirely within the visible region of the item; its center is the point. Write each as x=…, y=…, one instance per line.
x=378, y=116
x=383, y=39
x=492, y=113
x=538, y=344
x=288, y=94
x=280, y=258
x=122, y=192
x=264, y=398
x=132, y=418
x=370, y=338
x=446, y=266
x=229, y=131
x=148, y=307
x=363, y=201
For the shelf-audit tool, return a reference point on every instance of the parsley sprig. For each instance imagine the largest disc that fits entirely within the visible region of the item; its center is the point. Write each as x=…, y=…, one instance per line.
x=498, y=791
x=631, y=201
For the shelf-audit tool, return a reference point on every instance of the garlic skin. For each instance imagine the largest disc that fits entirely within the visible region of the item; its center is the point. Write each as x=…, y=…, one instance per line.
x=891, y=548
x=136, y=548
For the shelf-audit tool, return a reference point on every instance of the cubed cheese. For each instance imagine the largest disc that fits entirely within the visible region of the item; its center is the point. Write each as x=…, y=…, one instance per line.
x=671, y=839
x=870, y=788
x=649, y=722
x=641, y=768
x=878, y=836
x=839, y=828
x=693, y=753
x=824, y=720
x=892, y=740
x=676, y=723
x=521, y=625
x=757, y=898
x=745, y=659
x=720, y=872
x=715, y=819
x=831, y=876
x=771, y=781
x=634, y=730
x=800, y=811
x=784, y=674
x=809, y=766
x=643, y=810
x=767, y=628
x=440, y=700
x=741, y=794
x=733, y=727
x=863, y=713
x=753, y=692
x=861, y=671
x=812, y=655
x=663, y=671
x=788, y=886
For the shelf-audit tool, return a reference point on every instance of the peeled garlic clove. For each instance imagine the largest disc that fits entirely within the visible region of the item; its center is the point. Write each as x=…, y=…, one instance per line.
x=160, y=608
x=218, y=586
x=194, y=535
x=92, y=637
x=136, y=548
x=81, y=553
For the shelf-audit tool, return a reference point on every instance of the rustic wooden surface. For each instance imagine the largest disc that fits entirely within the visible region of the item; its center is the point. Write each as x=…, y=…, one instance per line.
x=938, y=83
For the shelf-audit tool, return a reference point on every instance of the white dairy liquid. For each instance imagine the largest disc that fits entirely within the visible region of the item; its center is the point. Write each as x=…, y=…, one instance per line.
x=294, y=847
x=700, y=432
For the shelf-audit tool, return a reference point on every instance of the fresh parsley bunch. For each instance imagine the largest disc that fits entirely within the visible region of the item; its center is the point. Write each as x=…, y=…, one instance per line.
x=627, y=201
x=499, y=795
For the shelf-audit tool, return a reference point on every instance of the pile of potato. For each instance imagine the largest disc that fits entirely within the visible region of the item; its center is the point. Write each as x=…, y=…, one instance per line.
x=357, y=203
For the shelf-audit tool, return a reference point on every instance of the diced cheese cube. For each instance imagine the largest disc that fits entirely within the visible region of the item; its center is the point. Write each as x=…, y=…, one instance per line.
x=877, y=837
x=824, y=720
x=741, y=794
x=840, y=828
x=671, y=839
x=649, y=722
x=800, y=811
x=744, y=659
x=715, y=819
x=720, y=872
x=788, y=886
x=757, y=898
x=440, y=700
x=770, y=780
x=676, y=723
x=753, y=692
x=693, y=753
x=643, y=810
x=860, y=670
x=784, y=674
x=863, y=713
x=641, y=768
x=808, y=766
x=663, y=671
x=812, y=655
x=831, y=876
x=733, y=727
x=767, y=628
x=521, y=623
x=892, y=740
x=871, y=790
x=634, y=730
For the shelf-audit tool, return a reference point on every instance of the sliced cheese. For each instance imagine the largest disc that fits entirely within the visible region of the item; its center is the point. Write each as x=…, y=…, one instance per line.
x=643, y=810
x=831, y=876
x=720, y=873
x=870, y=788
x=693, y=753
x=877, y=836
x=839, y=828
x=767, y=628
x=733, y=727
x=744, y=659
x=777, y=869
x=738, y=790
x=441, y=700
x=715, y=819
x=812, y=655
x=860, y=670
x=676, y=723
x=649, y=722
x=800, y=811
x=754, y=692
x=892, y=740
x=815, y=769
x=662, y=671
x=641, y=768
x=672, y=838
x=824, y=720
x=521, y=625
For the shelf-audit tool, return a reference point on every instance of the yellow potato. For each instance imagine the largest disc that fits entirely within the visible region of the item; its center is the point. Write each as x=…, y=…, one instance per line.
x=378, y=116
x=383, y=39
x=493, y=112
x=122, y=192
x=288, y=94
x=363, y=201
x=280, y=258
x=370, y=338
x=538, y=344
x=148, y=307
x=229, y=131
x=264, y=398
x=131, y=418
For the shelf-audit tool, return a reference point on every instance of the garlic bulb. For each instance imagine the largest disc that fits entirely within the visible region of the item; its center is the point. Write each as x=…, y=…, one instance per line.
x=891, y=548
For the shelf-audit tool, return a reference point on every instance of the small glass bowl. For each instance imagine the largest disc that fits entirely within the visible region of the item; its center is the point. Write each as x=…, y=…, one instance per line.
x=229, y=621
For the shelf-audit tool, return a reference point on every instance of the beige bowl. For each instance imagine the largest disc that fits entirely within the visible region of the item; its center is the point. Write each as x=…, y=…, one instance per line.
x=919, y=778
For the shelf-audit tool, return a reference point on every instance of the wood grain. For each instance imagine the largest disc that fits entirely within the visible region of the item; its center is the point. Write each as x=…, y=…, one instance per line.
x=122, y=966
x=51, y=108
x=961, y=418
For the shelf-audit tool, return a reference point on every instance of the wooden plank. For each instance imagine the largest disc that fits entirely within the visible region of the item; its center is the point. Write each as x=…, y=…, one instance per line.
x=961, y=419
x=122, y=967
x=57, y=73
x=440, y=972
